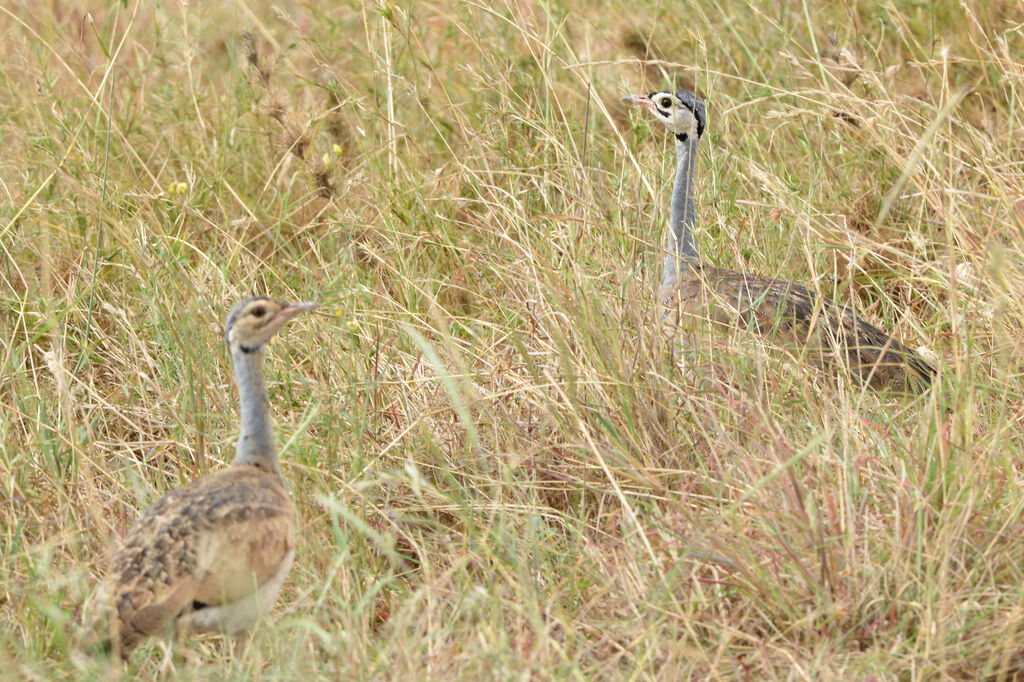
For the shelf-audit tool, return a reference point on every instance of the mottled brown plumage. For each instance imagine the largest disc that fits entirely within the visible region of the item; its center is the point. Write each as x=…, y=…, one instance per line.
x=213, y=543
x=790, y=313
x=831, y=334
x=212, y=555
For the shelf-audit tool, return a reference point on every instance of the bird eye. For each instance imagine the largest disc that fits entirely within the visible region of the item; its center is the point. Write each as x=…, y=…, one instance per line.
x=258, y=311
x=666, y=102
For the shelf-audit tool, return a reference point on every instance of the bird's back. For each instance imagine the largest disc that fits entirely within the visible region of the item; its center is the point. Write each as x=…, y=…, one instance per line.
x=207, y=556
x=794, y=314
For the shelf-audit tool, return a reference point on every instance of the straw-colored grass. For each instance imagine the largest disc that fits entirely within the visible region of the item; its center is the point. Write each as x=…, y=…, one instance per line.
x=500, y=470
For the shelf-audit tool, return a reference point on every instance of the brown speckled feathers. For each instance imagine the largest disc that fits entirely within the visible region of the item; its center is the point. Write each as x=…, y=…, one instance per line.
x=211, y=556
x=797, y=315
x=209, y=544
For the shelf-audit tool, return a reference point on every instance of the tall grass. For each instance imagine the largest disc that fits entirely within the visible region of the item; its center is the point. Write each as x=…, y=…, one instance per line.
x=502, y=470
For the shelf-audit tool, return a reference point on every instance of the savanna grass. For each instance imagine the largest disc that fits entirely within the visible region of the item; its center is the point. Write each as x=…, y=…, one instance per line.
x=501, y=468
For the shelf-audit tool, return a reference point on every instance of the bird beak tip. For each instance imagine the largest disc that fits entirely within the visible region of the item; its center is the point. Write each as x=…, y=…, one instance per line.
x=294, y=309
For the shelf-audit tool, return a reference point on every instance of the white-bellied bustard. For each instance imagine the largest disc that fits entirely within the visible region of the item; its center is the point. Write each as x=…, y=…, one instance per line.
x=773, y=307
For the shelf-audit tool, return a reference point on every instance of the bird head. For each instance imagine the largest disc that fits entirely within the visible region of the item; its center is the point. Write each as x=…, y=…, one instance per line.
x=255, y=320
x=681, y=111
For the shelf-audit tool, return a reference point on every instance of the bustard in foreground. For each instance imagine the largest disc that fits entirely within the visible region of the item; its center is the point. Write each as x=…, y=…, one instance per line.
x=773, y=307
x=212, y=555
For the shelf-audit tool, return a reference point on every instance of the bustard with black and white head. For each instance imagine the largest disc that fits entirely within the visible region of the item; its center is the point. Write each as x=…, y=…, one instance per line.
x=211, y=556
x=773, y=307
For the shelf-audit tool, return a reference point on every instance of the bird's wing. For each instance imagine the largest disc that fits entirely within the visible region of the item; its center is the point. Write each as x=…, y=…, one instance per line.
x=763, y=303
x=153, y=616
x=210, y=542
x=773, y=306
x=828, y=327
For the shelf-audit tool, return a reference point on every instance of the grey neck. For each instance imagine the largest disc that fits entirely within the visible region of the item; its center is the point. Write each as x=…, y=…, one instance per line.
x=256, y=446
x=682, y=251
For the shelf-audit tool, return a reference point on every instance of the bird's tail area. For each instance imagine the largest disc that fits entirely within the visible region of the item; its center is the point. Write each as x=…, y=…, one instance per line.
x=919, y=374
x=881, y=360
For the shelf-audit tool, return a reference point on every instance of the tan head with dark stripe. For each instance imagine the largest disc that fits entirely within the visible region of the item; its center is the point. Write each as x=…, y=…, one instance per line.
x=255, y=320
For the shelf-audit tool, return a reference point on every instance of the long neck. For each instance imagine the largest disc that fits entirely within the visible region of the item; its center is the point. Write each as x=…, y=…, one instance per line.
x=682, y=251
x=256, y=446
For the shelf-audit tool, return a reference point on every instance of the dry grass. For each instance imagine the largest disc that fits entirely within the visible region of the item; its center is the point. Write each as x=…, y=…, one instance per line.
x=498, y=471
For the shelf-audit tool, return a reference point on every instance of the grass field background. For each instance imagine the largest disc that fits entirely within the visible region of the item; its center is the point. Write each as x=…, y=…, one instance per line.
x=501, y=470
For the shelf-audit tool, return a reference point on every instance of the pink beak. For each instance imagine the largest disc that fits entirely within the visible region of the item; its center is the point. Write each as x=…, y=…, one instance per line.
x=293, y=309
x=642, y=100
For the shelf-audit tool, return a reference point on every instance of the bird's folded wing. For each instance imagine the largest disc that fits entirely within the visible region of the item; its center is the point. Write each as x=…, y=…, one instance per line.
x=220, y=557
x=156, y=617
